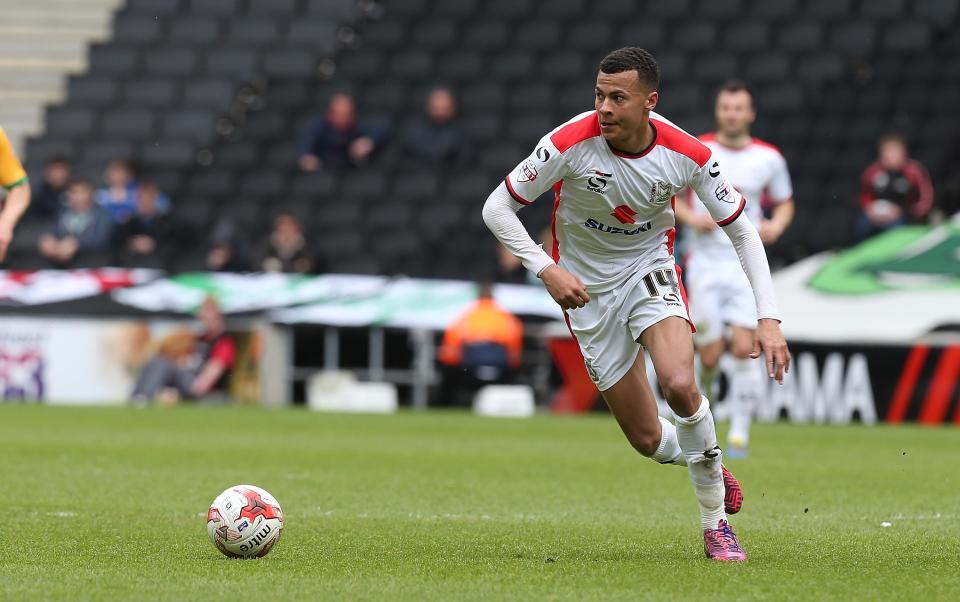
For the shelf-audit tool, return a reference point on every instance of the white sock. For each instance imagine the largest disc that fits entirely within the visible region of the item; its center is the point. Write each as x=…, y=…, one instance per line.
x=697, y=436
x=746, y=387
x=669, y=451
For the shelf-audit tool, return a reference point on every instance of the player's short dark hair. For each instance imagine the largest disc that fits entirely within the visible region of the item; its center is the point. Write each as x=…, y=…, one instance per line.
x=631, y=58
x=736, y=85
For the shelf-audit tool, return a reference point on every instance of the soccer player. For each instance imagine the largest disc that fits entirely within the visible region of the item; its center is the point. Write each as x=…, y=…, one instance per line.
x=720, y=295
x=14, y=179
x=615, y=171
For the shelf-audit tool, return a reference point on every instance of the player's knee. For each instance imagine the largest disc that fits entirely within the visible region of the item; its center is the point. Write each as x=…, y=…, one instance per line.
x=741, y=350
x=646, y=443
x=680, y=388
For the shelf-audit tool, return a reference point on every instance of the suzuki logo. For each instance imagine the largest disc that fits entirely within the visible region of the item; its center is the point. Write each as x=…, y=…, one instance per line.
x=624, y=214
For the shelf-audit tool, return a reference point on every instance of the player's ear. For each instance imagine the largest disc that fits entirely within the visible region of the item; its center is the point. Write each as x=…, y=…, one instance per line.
x=652, y=99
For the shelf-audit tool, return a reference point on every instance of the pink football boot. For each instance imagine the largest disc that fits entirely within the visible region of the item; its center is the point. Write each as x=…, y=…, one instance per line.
x=721, y=544
x=733, y=494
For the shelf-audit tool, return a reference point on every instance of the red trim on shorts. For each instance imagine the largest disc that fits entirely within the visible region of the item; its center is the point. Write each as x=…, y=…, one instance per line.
x=576, y=131
x=514, y=194
x=681, y=142
x=736, y=214
x=683, y=295
x=671, y=238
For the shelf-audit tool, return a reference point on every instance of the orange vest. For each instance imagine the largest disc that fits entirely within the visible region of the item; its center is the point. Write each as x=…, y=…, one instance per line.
x=484, y=322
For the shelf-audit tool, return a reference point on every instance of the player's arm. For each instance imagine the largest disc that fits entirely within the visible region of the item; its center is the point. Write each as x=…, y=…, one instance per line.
x=780, y=189
x=726, y=205
x=14, y=179
x=534, y=176
x=686, y=216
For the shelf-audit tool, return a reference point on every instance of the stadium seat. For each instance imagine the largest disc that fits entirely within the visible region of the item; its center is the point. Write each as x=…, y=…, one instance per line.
x=108, y=60
x=748, y=37
x=150, y=93
x=101, y=153
x=800, y=37
x=364, y=185
x=567, y=9
x=694, y=36
x=271, y=8
x=461, y=66
x=906, y=37
x=234, y=64
x=189, y=125
x=883, y=9
x=720, y=9
x=361, y=64
x=136, y=30
x=482, y=96
x=383, y=35
x=590, y=35
x=460, y=8
x=172, y=62
x=289, y=63
x=646, y=35
x=539, y=35
x=777, y=9
x=314, y=185
x=411, y=65
x=238, y=154
x=338, y=10
x=563, y=66
x=434, y=34
x=215, y=7
x=153, y=8
x=253, y=33
x=319, y=36
x=71, y=122
x=853, y=39
x=195, y=31
x=767, y=67
x=485, y=35
x=85, y=90
x=511, y=66
x=208, y=93
x=211, y=182
x=937, y=12
x=673, y=10
x=163, y=153
x=826, y=10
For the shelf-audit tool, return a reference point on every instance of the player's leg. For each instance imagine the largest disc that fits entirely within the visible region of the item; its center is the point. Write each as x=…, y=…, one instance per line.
x=706, y=310
x=746, y=382
x=745, y=390
x=633, y=404
x=671, y=349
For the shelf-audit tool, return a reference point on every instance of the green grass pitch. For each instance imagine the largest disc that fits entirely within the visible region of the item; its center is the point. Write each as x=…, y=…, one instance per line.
x=109, y=504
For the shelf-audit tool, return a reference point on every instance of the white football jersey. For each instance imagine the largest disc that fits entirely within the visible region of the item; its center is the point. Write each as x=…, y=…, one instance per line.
x=613, y=211
x=759, y=172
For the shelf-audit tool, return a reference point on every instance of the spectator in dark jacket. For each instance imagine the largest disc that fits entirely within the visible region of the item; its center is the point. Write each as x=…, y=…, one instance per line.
x=47, y=195
x=146, y=238
x=895, y=190
x=285, y=249
x=339, y=139
x=436, y=137
x=81, y=228
x=227, y=250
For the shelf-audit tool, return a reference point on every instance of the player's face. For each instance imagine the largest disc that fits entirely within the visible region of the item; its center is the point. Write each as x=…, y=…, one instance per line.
x=622, y=103
x=734, y=112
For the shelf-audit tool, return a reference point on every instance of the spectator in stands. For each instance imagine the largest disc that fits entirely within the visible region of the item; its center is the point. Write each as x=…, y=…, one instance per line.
x=285, y=249
x=949, y=183
x=81, y=228
x=49, y=192
x=895, y=190
x=437, y=136
x=227, y=251
x=190, y=365
x=146, y=238
x=482, y=346
x=339, y=139
x=118, y=198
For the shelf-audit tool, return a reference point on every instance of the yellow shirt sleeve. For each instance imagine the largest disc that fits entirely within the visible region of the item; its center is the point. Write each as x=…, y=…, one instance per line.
x=12, y=173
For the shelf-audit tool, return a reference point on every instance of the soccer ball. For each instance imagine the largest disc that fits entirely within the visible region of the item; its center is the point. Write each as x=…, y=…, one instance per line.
x=244, y=522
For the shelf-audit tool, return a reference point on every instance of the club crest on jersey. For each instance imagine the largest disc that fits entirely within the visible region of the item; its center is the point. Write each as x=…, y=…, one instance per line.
x=661, y=193
x=528, y=172
x=722, y=192
x=598, y=181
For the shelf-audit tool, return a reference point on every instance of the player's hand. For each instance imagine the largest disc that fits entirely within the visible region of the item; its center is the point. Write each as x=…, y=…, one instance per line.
x=565, y=288
x=769, y=340
x=6, y=236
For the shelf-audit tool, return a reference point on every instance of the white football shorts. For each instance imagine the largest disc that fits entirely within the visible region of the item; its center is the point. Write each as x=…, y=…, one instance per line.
x=608, y=327
x=720, y=295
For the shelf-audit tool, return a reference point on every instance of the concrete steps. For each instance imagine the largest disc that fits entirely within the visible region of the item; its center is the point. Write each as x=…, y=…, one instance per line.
x=41, y=42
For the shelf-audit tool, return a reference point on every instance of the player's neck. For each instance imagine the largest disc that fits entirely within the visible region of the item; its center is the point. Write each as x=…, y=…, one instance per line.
x=639, y=142
x=734, y=141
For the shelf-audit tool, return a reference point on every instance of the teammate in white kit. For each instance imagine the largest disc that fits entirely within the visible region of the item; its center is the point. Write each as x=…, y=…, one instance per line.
x=615, y=171
x=720, y=294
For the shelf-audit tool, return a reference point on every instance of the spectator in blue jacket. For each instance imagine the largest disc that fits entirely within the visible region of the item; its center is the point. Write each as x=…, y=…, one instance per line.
x=82, y=227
